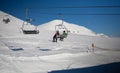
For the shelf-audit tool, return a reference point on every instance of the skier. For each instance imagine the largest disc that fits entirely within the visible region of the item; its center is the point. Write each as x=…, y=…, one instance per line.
x=64, y=35
x=56, y=36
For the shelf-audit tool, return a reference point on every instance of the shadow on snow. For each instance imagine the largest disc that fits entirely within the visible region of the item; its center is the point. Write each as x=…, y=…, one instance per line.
x=106, y=68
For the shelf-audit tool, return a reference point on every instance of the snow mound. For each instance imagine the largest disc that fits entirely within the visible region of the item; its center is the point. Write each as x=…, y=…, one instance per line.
x=72, y=28
x=102, y=35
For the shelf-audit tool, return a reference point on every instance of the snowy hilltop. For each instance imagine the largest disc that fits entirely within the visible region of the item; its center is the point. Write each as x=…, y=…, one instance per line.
x=72, y=28
x=36, y=53
x=15, y=26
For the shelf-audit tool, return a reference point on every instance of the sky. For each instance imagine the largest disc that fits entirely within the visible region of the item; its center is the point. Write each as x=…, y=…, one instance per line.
x=88, y=13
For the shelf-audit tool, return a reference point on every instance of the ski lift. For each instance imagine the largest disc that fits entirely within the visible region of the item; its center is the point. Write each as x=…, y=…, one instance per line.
x=61, y=27
x=6, y=19
x=33, y=31
x=26, y=22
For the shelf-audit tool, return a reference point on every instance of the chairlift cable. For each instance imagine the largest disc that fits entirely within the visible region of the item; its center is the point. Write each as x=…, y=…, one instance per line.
x=89, y=6
x=67, y=7
x=81, y=13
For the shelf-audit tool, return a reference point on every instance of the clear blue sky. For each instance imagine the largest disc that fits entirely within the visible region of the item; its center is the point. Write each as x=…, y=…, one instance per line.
x=107, y=24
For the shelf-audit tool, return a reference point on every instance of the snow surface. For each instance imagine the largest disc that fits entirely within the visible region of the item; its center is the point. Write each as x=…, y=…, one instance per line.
x=38, y=54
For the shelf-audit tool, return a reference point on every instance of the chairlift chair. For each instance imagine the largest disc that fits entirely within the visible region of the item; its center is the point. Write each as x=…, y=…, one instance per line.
x=26, y=22
x=33, y=31
x=61, y=27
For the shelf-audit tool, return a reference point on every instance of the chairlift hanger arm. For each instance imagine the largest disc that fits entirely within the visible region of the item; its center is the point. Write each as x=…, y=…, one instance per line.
x=26, y=14
x=61, y=17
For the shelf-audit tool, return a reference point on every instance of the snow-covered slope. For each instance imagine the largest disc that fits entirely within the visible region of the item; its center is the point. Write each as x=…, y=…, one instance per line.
x=13, y=27
x=73, y=28
x=38, y=54
x=42, y=56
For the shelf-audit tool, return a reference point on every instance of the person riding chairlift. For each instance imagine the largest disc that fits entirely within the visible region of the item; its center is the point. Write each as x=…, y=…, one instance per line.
x=64, y=35
x=56, y=36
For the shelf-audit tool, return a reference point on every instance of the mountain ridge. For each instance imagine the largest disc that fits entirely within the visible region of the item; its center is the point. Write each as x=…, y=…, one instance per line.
x=73, y=28
x=14, y=26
